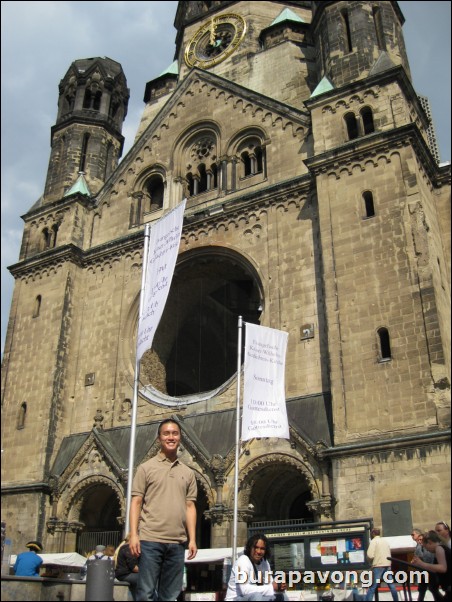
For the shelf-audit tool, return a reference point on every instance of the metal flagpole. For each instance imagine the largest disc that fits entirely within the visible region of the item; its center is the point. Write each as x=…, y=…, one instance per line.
x=237, y=442
x=133, y=426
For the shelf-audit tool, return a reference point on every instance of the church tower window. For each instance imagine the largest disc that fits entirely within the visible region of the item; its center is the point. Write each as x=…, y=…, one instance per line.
x=246, y=164
x=352, y=126
x=46, y=239
x=84, y=152
x=378, y=22
x=203, y=171
x=385, y=345
x=37, y=307
x=252, y=155
x=369, y=206
x=348, y=33
x=156, y=191
x=22, y=416
x=367, y=120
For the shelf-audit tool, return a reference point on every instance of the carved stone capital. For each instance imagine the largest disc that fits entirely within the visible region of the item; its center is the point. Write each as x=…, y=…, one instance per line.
x=56, y=525
x=217, y=514
x=218, y=467
x=322, y=507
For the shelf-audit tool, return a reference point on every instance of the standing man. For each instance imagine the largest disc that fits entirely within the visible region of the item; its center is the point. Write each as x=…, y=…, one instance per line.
x=378, y=553
x=163, y=518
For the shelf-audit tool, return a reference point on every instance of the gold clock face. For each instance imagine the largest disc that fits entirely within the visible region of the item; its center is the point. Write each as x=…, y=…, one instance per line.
x=215, y=40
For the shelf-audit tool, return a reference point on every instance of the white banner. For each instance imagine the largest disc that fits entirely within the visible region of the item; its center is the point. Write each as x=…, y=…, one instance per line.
x=161, y=259
x=264, y=398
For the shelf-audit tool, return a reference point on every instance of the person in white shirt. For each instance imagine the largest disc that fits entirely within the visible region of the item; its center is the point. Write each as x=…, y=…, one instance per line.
x=378, y=553
x=251, y=576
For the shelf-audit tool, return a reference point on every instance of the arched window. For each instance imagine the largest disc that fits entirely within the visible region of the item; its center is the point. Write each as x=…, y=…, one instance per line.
x=246, y=159
x=202, y=177
x=190, y=184
x=54, y=234
x=97, y=99
x=369, y=207
x=156, y=189
x=368, y=120
x=352, y=126
x=83, y=152
x=37, y=307
x=213, y=176
x=385, y=345
x=92, y=101
x=87, y=99
x=108, y=161
x=348, y=33
x=22, y=415
x=252, y=156
x=378, y=24
x=46, y=239
x=259, y=154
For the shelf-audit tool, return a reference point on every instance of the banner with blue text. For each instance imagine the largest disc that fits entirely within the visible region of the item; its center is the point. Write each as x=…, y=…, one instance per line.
x=264, y=398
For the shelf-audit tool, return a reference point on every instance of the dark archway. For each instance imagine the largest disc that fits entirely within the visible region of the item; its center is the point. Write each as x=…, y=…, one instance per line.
x=99, y=513
x=280, y=492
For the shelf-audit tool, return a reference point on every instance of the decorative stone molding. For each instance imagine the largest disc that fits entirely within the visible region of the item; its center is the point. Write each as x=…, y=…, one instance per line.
x=322, y=507
x=218, y=514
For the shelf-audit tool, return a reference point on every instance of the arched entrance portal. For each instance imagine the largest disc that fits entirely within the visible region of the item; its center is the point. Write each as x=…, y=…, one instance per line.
x=99, y=512
x=280, y=491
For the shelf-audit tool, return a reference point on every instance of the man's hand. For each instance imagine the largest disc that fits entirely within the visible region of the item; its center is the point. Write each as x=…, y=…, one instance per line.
x=134, y=545
x=192, y=550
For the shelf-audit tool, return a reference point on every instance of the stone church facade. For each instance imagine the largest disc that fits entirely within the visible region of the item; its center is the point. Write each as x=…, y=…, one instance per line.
x=315, y=206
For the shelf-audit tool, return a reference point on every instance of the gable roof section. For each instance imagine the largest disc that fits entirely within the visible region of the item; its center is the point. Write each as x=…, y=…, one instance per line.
x=198, y=77
x=212, y=433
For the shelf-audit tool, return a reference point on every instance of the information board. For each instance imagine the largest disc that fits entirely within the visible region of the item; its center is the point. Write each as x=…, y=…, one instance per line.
x=342, y=547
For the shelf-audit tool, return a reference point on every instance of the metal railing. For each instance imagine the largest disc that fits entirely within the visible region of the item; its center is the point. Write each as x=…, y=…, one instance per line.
x=88, y=540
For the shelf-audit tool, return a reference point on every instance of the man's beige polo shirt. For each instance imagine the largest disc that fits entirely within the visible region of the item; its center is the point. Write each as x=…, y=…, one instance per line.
x=165, y=487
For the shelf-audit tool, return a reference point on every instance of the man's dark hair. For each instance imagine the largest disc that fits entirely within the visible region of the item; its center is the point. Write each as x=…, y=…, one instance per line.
x=252, y=541
x=166, y=421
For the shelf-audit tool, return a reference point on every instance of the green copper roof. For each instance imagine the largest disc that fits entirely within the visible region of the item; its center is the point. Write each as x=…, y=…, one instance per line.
x=79, y=187
x=324, y=86
x=173, y=69
x=287, y=15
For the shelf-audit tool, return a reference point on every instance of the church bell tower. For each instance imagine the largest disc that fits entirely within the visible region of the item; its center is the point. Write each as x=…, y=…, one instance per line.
x=86, y=138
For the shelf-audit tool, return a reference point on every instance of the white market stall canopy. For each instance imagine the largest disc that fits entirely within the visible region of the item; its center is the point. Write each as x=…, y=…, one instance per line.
x=62, y=559
x=211, y=555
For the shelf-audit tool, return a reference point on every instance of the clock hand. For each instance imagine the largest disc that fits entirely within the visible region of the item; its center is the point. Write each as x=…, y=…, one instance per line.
x=212, y=32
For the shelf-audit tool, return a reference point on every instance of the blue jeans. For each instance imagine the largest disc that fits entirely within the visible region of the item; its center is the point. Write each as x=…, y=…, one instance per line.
x=377, y=579
x=161, y=571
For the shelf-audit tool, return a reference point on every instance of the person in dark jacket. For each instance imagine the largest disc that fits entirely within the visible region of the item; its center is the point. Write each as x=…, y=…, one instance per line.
x=442, y=563
x=127, y=568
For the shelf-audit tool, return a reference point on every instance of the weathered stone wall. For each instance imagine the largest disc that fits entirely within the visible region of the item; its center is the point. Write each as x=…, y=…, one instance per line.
x=364, y=481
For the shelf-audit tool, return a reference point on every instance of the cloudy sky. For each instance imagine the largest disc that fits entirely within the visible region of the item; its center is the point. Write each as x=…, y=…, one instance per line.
x=39, y=41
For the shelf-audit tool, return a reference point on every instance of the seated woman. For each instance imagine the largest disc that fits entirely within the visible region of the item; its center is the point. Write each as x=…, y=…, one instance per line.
x=251, y=576
x=126, y=568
